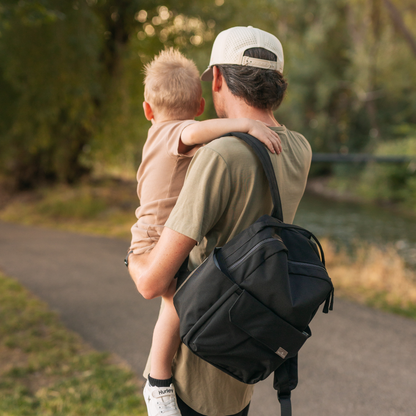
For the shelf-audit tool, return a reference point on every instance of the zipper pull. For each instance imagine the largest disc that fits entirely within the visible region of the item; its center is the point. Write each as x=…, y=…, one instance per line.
x=329, y=302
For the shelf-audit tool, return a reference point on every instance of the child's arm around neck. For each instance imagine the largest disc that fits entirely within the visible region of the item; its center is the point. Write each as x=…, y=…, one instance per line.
x=205, y=131
x=208, y=130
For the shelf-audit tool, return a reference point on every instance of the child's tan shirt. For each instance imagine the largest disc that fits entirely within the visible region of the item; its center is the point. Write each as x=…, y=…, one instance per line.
x=159, y=181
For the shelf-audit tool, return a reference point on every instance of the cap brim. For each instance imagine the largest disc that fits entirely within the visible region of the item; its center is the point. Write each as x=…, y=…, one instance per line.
x=207, y=75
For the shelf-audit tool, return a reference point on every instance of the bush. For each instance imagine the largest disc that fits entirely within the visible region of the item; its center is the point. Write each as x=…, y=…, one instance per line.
x=391, y=182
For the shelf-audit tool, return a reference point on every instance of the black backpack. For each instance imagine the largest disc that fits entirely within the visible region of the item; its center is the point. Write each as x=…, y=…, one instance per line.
x=247, y=307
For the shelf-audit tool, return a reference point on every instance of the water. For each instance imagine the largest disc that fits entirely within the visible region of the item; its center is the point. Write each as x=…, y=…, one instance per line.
x=346, y=222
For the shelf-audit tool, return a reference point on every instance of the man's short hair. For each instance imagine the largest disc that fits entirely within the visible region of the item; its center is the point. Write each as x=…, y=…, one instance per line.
x=259, y=88
x=172, y=85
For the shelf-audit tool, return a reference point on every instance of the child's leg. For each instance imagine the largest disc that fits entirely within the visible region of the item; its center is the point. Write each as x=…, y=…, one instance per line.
x=165, y=341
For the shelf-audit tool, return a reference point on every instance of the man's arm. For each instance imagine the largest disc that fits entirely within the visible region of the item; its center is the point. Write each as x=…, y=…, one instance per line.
x=153, y=274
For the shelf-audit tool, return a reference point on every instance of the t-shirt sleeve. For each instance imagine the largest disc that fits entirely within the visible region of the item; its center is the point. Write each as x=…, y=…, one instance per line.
x=204, y=196
x=174, y=137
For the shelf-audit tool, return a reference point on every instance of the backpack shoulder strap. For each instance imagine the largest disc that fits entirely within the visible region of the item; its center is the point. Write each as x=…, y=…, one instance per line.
x=262, y=153
x=286, y=380
x=285, y=376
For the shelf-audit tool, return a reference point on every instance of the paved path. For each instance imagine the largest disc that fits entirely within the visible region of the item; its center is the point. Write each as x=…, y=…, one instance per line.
x=359, y=362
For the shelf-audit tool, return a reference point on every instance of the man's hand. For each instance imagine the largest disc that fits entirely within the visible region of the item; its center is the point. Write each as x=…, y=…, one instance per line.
x=153, y=273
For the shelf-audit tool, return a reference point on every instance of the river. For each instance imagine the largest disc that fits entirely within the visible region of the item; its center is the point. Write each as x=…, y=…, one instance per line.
x=346, y=222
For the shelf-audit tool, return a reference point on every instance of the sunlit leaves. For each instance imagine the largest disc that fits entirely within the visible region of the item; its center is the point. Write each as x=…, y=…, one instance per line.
x=71, y=73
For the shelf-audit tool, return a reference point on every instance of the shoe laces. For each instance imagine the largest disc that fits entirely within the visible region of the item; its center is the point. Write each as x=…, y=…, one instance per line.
x=167, y=404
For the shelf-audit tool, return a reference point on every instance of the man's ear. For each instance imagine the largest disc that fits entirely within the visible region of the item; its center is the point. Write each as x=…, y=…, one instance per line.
x=148, y=112
x=217, y=79
x=201, y=107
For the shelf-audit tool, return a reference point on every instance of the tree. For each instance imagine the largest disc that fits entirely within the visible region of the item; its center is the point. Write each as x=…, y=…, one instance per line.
x=50, y=68
x=66, y=71
x=71, y=73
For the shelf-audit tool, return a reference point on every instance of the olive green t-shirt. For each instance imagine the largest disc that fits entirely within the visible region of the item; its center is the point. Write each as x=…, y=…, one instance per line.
x=225, y=191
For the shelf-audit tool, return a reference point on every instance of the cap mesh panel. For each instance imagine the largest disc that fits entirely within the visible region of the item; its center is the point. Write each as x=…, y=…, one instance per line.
x=237, y=41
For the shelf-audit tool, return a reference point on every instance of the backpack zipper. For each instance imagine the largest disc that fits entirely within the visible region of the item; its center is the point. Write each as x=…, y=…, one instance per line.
x=316, y=266
x=242, y=259
x=301, y=263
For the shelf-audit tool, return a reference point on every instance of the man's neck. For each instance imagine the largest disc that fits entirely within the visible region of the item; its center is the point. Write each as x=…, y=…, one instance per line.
x=240, y=109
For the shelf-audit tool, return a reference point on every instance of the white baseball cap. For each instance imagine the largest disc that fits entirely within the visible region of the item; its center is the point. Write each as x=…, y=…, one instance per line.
x=230, y=45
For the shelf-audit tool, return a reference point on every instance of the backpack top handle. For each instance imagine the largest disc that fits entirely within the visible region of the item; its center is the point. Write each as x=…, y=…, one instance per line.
x=262, y=153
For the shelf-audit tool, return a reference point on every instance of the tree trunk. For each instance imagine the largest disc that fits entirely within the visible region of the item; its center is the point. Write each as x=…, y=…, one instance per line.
x=398, y=22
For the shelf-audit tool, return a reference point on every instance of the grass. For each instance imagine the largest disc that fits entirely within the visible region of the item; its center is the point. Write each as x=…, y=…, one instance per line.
x=376, y=276
x=102, y=207
x=47, y=370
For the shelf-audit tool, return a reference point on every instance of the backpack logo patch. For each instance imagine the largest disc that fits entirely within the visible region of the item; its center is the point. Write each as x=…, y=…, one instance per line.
x=281, y=352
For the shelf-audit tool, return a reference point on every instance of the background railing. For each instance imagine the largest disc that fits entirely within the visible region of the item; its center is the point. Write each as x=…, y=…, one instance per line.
x=359, y=158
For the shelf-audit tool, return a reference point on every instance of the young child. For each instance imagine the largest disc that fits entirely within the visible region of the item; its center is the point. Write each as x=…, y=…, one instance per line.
x=173, y=98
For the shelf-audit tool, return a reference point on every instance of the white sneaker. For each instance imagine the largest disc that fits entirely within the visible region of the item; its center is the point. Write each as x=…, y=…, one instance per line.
x=161, y=400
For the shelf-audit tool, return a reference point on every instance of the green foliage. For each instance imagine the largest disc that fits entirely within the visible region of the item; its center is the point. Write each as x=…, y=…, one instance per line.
x=350, y=74
x=71, y=74
x=385, y=182
x=49, y=63
x=71, y=82
x=395, y=183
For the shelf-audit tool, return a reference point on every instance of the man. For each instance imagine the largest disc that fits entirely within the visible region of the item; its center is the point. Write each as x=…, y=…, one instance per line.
x=225, y=191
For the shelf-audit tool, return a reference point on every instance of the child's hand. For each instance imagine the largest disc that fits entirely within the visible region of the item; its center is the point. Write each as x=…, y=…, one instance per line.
x=265, y=135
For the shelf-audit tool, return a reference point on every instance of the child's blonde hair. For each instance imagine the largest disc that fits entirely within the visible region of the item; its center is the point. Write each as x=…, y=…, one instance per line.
x=172, y=85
